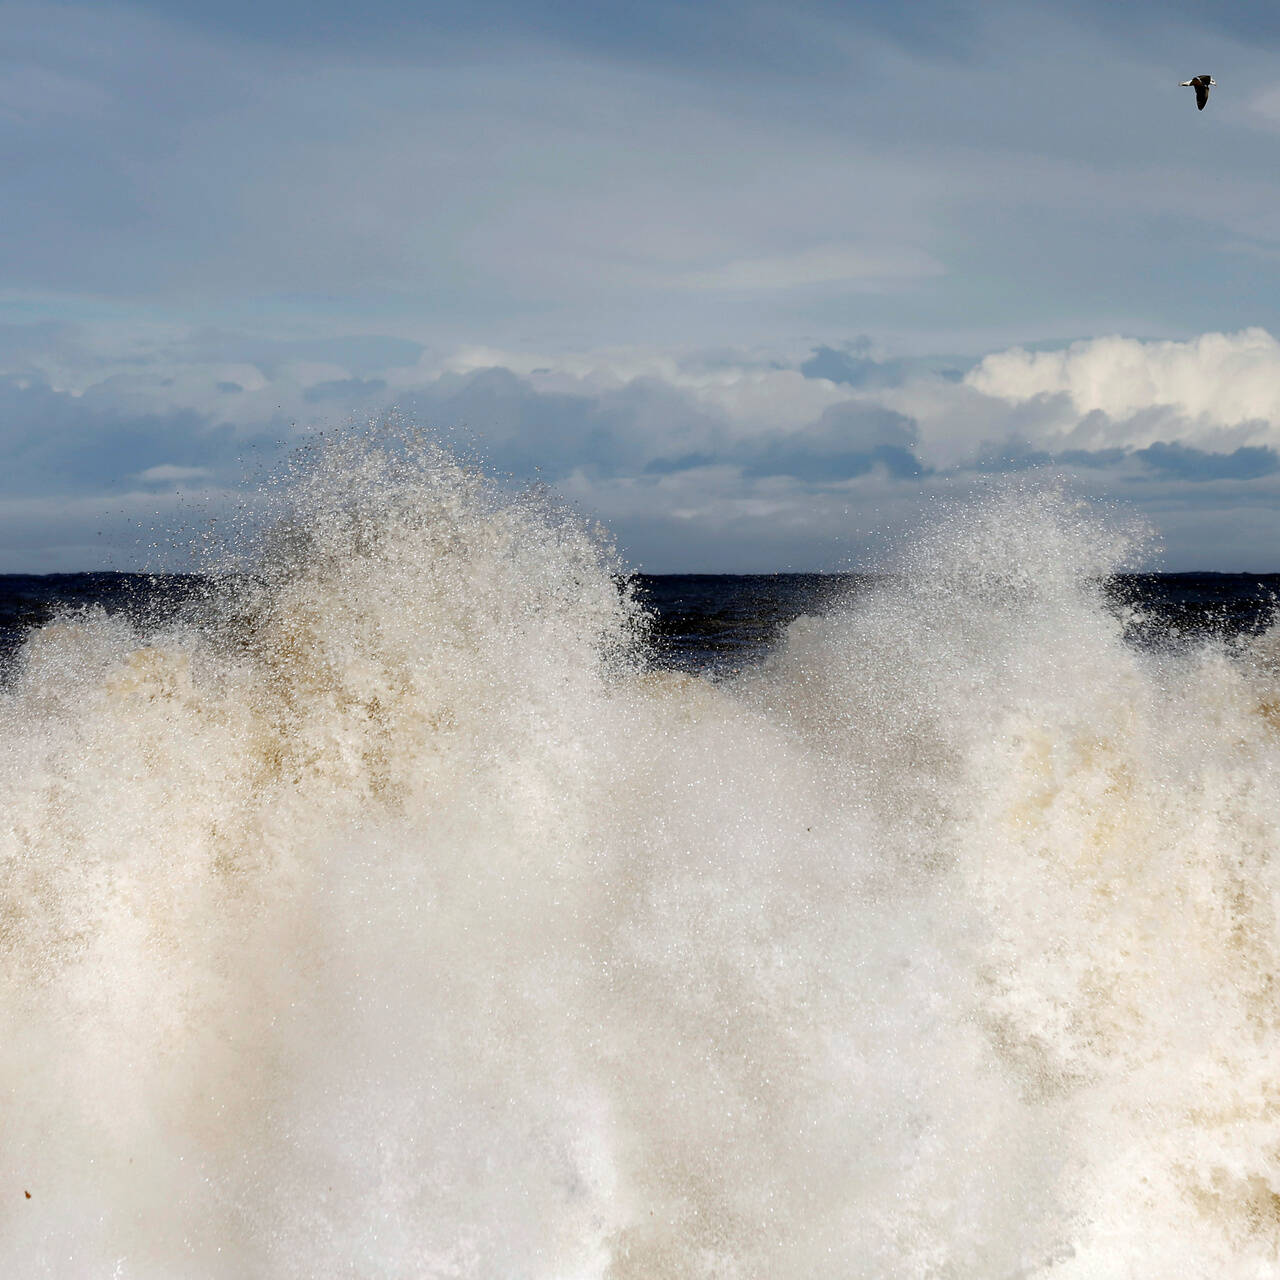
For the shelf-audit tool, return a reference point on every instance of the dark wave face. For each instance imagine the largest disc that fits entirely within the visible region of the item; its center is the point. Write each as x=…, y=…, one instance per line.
x=426, y=897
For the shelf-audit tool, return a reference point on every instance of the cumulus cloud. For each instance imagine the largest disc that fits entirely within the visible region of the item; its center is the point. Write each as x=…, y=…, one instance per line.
x=1214, y=381
x=721, y=459
x=167, y=473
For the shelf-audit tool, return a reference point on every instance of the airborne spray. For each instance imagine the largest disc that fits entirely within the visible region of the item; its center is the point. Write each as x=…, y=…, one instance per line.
x=394, y=919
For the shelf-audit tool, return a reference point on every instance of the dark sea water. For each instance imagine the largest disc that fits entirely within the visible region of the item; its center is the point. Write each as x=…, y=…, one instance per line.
x=719, y=621
x=702, y=622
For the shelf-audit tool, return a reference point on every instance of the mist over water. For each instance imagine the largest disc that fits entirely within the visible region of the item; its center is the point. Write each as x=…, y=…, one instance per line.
x=395, y=918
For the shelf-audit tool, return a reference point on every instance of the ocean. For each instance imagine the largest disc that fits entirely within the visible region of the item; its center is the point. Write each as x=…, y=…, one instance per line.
x=712, y=624
x=415, y=892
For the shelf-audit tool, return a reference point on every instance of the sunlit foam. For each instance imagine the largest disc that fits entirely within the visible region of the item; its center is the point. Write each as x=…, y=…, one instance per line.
x=392, y=919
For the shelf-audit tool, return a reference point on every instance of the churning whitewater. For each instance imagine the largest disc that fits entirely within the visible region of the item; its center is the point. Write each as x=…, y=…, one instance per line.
x=392, y=917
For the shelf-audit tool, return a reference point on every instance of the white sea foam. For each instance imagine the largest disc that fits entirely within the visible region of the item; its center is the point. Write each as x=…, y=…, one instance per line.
x=402, y=924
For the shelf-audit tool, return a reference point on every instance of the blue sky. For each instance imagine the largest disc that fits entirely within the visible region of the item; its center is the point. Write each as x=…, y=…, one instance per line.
x=755, y=284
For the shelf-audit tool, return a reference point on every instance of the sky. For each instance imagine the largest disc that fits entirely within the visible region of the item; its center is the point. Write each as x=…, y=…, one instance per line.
x=756, y=285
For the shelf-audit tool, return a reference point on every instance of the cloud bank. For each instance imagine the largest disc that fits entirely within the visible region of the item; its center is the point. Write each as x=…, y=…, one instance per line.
x=727, y=460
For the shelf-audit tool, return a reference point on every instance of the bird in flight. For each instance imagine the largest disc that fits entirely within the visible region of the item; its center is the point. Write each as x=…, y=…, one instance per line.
x=1202, y=85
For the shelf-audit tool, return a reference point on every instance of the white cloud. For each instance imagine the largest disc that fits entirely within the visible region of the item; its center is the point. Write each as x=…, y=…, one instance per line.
x=167, y=473
x=1215, y=381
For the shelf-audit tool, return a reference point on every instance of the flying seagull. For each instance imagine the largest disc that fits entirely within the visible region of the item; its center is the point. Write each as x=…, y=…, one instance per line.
x=1202, y=85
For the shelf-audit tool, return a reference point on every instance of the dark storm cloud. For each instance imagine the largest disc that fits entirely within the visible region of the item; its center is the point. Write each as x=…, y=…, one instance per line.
x=1014, y=458
x=1168, y=460
x=522, y=430
x=648, y=427
x=56, y=443
x=1187, y=463
x=855, y=366
x=847, y=440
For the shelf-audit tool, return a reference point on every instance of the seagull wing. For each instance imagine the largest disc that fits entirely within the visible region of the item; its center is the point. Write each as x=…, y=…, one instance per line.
x=1202, y=92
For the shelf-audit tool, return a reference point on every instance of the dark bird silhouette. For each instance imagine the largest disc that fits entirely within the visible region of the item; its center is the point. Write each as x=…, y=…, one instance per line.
x=1202, y=85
